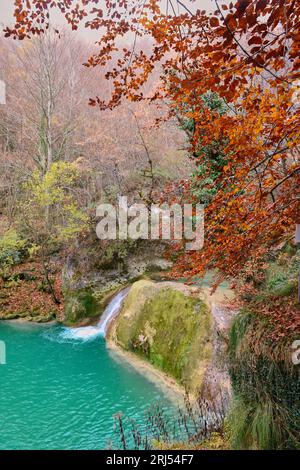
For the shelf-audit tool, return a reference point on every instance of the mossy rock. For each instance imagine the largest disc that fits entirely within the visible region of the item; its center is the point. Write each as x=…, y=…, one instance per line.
x=168, y=327
x=35, y=316
x=80, y=304
x=44, y=318
x=86, y=304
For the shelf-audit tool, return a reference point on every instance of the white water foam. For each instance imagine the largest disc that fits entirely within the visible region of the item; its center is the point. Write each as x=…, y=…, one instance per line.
x=89, y=333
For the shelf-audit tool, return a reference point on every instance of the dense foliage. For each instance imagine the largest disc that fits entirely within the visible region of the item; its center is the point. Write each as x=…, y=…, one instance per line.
x=265, y=411
x=247, y=52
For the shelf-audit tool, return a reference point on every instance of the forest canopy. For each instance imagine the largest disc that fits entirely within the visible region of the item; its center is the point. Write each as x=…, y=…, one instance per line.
x=245, y=52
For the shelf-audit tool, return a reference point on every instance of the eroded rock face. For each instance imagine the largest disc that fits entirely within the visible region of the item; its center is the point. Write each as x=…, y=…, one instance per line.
x=168, y=325
x=89, y=283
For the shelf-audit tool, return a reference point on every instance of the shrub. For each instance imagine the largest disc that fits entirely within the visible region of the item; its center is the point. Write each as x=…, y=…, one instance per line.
x=12, y=249
x=265, y=410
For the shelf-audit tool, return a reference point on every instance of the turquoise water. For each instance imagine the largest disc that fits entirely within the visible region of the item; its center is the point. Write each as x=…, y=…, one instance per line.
x=58, y=393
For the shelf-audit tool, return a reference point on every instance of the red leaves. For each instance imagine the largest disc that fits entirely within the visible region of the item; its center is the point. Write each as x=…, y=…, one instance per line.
x=255, y=40
x=241, y=6
x=261, y=5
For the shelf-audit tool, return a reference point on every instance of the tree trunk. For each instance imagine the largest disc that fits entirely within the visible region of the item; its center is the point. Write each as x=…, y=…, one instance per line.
x=49, y=282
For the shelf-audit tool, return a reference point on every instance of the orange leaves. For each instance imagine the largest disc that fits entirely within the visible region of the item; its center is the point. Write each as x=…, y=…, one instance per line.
x=255, y=40
x=193, y=35
x=214, y=22
x=261, y=4
x=258, y=200
x=248, y=53
x=231, y=22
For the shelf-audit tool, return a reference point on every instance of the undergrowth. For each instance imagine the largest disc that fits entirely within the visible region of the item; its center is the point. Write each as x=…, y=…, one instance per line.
x=265, y=410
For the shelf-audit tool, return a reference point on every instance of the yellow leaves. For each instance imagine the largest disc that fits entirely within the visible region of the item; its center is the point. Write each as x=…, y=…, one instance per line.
x=50, y=207
x=50, y=188
x=258, y=128
x=144, y=21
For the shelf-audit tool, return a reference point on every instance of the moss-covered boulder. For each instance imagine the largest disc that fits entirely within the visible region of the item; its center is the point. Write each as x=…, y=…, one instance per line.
x=165, y=324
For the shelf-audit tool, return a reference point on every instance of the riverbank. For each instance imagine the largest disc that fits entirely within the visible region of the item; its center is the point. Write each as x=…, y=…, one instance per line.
x=24, y=294
x=174, y=391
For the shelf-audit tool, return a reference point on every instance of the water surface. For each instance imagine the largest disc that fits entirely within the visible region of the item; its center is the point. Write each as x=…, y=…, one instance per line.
x=61, y=393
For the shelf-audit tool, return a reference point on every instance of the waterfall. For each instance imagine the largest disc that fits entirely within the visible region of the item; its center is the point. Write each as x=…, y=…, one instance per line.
x=87, y=333
x=111, y=311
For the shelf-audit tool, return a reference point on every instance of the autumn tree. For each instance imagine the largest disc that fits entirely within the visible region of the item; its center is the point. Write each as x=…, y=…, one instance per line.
x=106, y=144
x=50, y=216
x=248, y=53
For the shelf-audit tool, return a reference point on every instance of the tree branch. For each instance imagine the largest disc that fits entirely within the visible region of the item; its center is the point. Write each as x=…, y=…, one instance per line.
x=245, y=50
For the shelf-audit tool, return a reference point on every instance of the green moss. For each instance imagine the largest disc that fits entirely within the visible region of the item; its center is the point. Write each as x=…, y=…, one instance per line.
x=35, y=316
x=282, y=274
x=83, y=304
x=80, y=304
x=169, y=329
